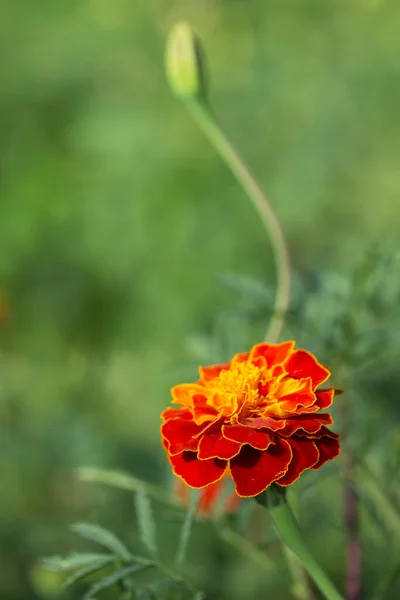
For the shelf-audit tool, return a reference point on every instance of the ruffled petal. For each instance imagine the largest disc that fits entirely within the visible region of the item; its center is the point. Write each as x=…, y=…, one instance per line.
x=303, y=364
x=257, y=438
x=176, y=413
x=264, y=422
x=207, y=374
x=307, y=424
x=294, y=394
x=324, y=398
x=241, y=357
x=253, y=470
x=197, y=473
x=203, y=412
x=181, y=435
x=274, y=354
x=305, y=456
x=322, y=432
x=328, y=448
x=215, y=445
x=183, y=393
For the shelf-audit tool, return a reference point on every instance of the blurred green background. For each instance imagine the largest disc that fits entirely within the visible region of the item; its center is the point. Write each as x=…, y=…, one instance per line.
x=117, y=218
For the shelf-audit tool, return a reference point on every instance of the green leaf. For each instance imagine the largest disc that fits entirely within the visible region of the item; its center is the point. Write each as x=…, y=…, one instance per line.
x=102, y=536
x=73, y=561
x=146, y=523
x=82, y=573
x=114, y=578
x=123, y=481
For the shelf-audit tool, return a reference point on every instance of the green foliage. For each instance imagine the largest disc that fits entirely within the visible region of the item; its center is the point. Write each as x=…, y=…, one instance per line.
x=116, y=223
x=146, y=522
x=101, y=536
x=74, y=561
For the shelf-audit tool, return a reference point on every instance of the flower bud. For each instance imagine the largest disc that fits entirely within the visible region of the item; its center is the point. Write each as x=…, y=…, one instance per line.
x=183, y=62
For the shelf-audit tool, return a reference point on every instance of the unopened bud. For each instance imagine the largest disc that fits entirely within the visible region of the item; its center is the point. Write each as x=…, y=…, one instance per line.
x=184, y=62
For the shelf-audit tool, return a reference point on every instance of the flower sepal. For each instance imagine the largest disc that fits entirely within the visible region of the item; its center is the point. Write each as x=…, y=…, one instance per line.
x=273, y=496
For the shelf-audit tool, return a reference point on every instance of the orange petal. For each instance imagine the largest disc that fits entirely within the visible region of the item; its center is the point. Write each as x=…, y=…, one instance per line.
x=181, y=435
x=264, y=423
x=295, y=393
x=247, y=435
x=209, y=373
x=274, y=354
x=241, y=357
x=183, y=393
x=304, y=364
x=215, y=445
x=197, y=473
x=308, y=424
x=305, y=456
x=175, y=413
x=253, y=470
x=203, y=412
x=324, y=398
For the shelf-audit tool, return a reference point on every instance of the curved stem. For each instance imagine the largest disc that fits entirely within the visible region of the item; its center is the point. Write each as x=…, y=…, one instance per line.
x=289, y=532
x=260, y=201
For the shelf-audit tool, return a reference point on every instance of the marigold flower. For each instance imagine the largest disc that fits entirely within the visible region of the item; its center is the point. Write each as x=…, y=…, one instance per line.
x=256, y=418
x=210, y=497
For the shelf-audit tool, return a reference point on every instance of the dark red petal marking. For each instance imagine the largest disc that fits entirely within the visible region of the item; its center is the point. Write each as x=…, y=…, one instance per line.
x=328, y=448
x=305, y=456
x=303, y=364
x=197, y=473
x=215, y=445
x=258, y=439
x=253, y=470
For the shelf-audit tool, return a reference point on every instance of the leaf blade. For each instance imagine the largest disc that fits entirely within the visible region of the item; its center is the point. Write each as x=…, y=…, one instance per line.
x=102, y=536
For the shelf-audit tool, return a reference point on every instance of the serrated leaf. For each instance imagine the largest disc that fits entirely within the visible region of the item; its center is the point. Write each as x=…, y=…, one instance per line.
x=114, y=578
x=73, y=561
x=102, y=536
x=82, y=573
x=146, y=523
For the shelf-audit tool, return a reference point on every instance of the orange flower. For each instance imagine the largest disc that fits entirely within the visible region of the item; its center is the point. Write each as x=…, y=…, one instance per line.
x=256, y=417
x=209, y=498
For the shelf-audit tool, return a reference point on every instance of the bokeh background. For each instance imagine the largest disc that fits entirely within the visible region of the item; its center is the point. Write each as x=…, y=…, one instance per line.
x=117, y=221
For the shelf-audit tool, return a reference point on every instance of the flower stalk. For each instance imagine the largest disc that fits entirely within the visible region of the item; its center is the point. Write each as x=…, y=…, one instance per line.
x=274, y=498
x=203, y=117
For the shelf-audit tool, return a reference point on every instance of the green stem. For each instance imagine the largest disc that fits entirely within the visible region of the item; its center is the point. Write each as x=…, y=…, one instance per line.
x=186, y=529
x=225, y=149
x=289, y=532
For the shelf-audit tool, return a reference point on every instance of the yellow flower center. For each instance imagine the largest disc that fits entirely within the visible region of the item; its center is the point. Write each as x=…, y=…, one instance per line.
x=236, y=387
